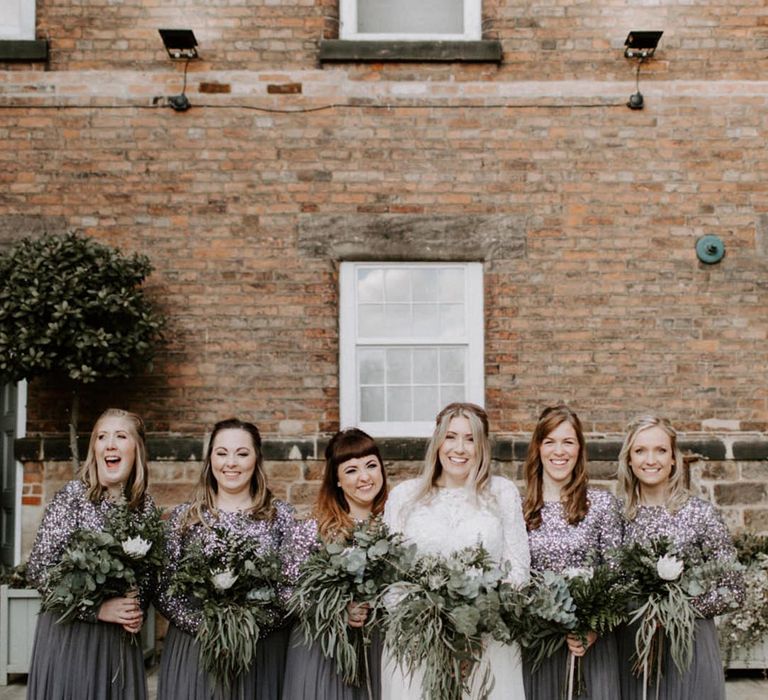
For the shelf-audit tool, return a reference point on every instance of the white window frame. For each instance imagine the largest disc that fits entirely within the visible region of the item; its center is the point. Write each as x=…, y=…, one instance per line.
x=25, y=28
x=349, y=409
x=473, y=20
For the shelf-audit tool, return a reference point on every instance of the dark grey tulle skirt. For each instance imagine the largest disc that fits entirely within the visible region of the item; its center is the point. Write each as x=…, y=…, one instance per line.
x=704, y=679
x=182, y=678
x=311, y=676
x=85, y=661
x=599, y=672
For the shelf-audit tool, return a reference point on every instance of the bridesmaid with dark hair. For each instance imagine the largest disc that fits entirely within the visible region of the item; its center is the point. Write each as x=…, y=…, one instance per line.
x=354, y=488
x=232, y=495
x=570, y=525
x=93, y=658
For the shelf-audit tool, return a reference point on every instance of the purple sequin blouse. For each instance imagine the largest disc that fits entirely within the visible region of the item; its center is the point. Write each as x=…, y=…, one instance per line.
x=72, y=510
x=556, y=545
x=282, y=534
x=700, y=533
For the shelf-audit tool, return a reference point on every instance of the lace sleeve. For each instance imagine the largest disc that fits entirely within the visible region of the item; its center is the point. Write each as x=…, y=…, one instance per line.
x=516, y=551
x=398, y=498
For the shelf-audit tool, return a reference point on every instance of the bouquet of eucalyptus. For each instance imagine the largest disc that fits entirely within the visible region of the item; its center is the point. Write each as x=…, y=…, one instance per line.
x=338, y=573
x=577, y=601
x=101, y=564
x=437, y=615
x=236, y=584
x=665, y=583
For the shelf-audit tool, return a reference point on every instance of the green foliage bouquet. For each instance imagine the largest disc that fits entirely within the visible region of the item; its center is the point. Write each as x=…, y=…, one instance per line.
x=353, y=571
x=747, y=626
x=437, y=615
x=574, y=602
x=665, y=583
x=101, y=564
x=236, y=584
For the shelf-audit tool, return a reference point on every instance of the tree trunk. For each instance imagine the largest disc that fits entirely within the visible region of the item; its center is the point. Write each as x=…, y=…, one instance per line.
x=73, y=417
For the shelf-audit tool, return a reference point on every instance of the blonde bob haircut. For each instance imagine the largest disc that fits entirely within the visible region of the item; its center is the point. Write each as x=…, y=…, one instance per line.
x=629, y=485
x=480, y=475
x=136, y=484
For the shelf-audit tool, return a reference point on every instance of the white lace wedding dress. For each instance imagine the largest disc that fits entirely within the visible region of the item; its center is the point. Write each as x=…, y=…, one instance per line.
x=448, y=521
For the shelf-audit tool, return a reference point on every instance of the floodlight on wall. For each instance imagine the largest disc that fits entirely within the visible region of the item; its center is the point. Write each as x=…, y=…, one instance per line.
x=180, y=45
x=640, y=46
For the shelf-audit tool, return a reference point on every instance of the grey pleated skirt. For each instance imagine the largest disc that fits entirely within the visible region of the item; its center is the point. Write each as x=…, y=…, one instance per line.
x=182, y=678
x=85, y=661
x=599, y=674
x=704, y=679
x=311, y=676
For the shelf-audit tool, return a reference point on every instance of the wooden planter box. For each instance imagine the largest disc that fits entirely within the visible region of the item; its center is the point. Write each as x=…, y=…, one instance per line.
x=19, y=608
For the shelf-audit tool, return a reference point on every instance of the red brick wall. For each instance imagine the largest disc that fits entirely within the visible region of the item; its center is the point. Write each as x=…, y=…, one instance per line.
x=608, y=308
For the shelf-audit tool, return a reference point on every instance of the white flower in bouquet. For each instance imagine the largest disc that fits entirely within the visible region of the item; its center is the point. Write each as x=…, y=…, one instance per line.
x=395, y=594
x=585, y=572
x=223, y=580
x=669, y=567
x=136, y=547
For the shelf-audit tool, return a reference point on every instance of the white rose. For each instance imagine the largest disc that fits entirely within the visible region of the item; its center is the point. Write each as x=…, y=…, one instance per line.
x=669, y=568
x=223, y=580
x=136, y=547
x=394, y=595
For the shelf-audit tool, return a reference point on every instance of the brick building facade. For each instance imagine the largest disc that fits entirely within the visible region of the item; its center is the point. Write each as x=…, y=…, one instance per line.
x=516, y=151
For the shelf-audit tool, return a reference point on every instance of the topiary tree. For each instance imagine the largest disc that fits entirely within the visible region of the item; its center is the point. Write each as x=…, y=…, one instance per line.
x=74, y=307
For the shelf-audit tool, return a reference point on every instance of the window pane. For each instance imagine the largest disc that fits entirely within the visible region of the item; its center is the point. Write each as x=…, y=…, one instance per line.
x=425, y=366
x=370, y=320
x=452, y=366
x=371, y=366
x=452, y=320
x=449, y=394
x=370, y=285
x=371, y=404
x=399, y=404
x=426, y=402
x=399, y=366
x=426, y=320
x=397, y=285
x=425, y=285
x=397, y=321
x=452, y=285
x=407, y=16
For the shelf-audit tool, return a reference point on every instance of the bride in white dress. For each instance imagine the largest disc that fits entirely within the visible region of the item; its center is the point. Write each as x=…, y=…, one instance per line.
x=456, y=503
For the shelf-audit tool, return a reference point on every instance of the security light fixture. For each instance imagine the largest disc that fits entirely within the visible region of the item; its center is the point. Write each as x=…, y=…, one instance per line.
x=179, y=43
x=641, y=44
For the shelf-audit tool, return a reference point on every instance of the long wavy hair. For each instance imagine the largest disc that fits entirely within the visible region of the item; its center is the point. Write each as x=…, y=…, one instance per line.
x=480, y=475
x=332, y=508
x=573, y=496
x=629, y=484
x=204, y=497
x=138, y=479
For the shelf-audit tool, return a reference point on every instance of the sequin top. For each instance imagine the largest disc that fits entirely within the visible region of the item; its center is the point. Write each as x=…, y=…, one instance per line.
x=556, y=545
x=700, y=533
x=282, y=534
x=72, y=510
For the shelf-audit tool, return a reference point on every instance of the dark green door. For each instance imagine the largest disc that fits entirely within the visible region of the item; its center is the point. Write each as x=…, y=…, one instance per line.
x=8, y=417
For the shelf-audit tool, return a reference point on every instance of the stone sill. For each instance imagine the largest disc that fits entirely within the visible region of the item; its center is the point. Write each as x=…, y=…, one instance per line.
x=339, y=50
x=12, y=50
x=187, y=448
